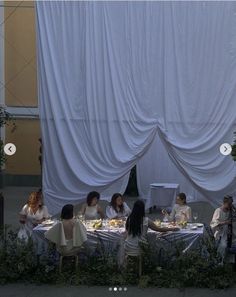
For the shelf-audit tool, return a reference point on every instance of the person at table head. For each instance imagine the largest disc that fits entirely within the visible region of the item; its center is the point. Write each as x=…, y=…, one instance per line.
x=137, y=225
x=181, y=211
x=117, y=208
x=221, y=218
x=92, y=210
x=34, y=211
x=220, y=225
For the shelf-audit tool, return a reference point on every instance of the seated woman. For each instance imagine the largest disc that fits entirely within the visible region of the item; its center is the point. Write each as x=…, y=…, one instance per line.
x=220, y=224
x=181, y=211
x=69, y=234
x=117, y=208
x=91, y=210
x=34, y=212
x=136, y=229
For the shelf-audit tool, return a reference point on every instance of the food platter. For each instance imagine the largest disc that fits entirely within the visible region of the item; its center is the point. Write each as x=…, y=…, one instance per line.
x=115, y=223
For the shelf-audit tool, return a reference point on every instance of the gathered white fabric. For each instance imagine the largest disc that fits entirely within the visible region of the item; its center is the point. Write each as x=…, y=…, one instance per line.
x=113, y=76
x=57, y=235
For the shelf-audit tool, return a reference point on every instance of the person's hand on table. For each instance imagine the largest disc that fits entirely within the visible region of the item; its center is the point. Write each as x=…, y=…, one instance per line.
x=225, y=223
x=37, y=222
x=40, y=221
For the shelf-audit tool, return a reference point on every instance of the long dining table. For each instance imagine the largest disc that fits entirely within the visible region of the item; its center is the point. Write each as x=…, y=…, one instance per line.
x=110, y=239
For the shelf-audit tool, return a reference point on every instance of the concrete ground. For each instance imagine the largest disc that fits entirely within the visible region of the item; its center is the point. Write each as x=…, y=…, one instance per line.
x=18, y=290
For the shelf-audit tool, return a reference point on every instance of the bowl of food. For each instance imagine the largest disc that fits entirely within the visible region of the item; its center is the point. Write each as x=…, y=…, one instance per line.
x=116, y=223
x=157, y=223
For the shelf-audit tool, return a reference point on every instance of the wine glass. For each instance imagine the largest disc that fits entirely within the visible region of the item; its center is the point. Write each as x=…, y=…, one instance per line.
x=195, y=216
x=81, y=216
x=165, y=213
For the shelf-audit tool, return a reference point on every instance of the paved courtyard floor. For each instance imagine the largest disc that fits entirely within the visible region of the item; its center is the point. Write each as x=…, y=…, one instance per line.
x=18, y=290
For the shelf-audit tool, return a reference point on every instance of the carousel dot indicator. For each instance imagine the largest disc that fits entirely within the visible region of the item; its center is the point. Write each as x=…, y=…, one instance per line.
x=115, y=289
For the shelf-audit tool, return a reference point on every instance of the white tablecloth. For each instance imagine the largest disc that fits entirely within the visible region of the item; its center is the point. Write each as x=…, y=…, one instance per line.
x=162, y=195
x=110, y=240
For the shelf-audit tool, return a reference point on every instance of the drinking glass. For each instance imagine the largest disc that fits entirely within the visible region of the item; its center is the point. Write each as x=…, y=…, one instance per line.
x=195, y=216
x=165, y=213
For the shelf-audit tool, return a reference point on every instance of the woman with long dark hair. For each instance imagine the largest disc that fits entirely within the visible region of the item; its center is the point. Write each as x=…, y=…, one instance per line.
x=117, y=208
x=137, y=226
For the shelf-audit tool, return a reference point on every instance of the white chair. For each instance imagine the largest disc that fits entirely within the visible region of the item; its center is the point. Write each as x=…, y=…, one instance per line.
x=73, y=254
x=139, y=259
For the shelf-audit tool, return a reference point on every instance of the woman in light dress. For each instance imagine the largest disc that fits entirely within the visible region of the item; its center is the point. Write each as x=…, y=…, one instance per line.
x=220, y=225
x=181, y=211
x=33, y=212
x=137, y=226
x=117, y=208
x=92, y=210
x=69, y=234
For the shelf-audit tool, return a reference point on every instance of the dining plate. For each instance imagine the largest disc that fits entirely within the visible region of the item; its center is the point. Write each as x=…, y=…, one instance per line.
x=199, y=225
x=47, y=222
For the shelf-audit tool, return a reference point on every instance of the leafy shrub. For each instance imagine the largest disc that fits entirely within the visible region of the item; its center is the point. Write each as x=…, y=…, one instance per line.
x=200, y=267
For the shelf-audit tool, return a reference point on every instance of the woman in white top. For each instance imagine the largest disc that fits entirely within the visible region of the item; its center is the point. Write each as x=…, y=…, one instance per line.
x=34, y=212
x=136, y=229
x=117, y=208
x=220, y=225
x=91, y=210
x=181, y=211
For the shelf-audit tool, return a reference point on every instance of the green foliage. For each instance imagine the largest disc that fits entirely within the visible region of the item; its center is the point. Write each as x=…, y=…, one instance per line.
x=233, y=153
x=17, y=259
x=199, y=267
x=2, y=154
x=5, y=119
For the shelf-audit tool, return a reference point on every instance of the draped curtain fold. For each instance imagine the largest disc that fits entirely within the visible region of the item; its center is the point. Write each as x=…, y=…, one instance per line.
x=114, y=75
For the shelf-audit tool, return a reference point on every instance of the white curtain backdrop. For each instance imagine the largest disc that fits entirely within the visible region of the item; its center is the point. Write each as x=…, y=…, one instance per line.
x=113, y=74
x=158, y=166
